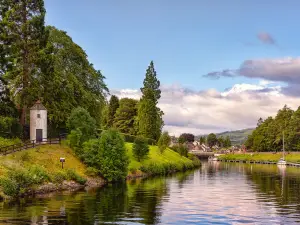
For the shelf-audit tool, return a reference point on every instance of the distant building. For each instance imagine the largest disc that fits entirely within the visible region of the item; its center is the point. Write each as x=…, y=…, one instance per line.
x=38, y=122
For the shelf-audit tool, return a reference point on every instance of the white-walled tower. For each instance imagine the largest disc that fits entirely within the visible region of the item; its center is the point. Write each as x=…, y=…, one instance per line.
x=38, y=122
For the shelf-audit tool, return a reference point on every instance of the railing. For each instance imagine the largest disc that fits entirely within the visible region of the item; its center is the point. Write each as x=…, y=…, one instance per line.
x=30, y=144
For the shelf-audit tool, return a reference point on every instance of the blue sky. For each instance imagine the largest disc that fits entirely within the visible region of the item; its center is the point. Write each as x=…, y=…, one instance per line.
x=186, y=39
x=250, y=46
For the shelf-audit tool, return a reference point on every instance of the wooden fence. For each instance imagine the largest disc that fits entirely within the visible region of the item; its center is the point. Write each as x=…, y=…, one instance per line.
x=30, y=144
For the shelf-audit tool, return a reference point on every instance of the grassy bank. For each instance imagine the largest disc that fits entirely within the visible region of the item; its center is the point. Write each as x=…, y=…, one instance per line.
x=30, y=169
x=258, y=157
x=159, y=163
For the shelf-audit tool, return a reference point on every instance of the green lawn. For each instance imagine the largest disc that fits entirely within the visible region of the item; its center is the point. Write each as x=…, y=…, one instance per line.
x=155, y=157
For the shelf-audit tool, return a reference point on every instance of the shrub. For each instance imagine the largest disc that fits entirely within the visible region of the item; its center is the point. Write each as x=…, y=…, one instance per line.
x=91, y=153
x=140, y=148
x=10, y=127
x=38, y=175
x=163, y=141
x=7, y=142
x=9, y=187
x=113, y=159
x=72, y=175
x=196, y=161
x=24, y=156
x=75, y=141
x=58, y=177
x=181, y=149
x=82, y=120
x=92, y=172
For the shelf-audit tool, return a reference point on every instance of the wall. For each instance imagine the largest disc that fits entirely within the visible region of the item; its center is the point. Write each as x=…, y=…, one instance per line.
x=38, y=123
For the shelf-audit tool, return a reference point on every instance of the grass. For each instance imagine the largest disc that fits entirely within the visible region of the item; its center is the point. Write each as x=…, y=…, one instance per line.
x=27, y=169
x=257, y=157
x=164, y=162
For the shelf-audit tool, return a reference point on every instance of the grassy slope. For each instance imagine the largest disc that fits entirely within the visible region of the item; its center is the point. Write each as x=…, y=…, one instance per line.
x=168, y=156
x=293, y=157
x=46, y=156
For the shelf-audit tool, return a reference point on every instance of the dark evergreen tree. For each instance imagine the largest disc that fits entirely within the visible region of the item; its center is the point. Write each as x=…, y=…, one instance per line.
x=149, y=120
x=126, y=115
x=22, y=39
x=112, y=109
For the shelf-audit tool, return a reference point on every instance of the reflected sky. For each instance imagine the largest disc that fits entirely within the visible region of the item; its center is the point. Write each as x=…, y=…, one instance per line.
x=217, y=193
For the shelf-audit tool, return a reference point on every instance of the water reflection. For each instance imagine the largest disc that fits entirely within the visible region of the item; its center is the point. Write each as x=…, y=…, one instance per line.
x=223, y=193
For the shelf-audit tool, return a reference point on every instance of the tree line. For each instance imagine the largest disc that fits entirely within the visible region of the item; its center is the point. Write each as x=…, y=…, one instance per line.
x=211, y=140
x=39, y=62
x=269, y=133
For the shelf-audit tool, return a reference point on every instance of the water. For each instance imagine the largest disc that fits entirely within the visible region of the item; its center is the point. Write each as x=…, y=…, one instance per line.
x=218, y=193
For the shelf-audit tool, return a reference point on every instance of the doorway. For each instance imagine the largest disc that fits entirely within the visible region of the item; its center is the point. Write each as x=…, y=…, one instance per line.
x=39, y=135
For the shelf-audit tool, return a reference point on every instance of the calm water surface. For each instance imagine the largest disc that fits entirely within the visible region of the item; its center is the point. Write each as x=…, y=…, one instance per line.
x=218, y=193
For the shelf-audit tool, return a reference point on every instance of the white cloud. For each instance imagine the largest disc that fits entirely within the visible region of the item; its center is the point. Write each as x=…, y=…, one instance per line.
x=208, y=111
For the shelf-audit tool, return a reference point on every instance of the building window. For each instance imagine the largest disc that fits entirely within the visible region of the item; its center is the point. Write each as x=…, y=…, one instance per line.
x=38, y=115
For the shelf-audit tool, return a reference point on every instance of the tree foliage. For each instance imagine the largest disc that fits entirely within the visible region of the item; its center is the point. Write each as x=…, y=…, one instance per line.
x=112, y=109
x=22, y=40
x=74, y=81
x=125, y=116
x=112, y=156
x=202, y=140
x=81, y=120
x=140, y=148
x=149, y=118
x=212, y=140
x=186, y=137
x=268, y=135
x=164, y=141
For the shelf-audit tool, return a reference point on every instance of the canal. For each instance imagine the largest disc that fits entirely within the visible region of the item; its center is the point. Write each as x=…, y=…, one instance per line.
x=217, y=193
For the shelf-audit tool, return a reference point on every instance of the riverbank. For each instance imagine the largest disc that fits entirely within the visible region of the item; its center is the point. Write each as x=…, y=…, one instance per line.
x=39, y=170
x=261, y=157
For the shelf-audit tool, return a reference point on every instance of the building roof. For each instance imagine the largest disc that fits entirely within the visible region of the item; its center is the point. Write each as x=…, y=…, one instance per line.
x=38, y=106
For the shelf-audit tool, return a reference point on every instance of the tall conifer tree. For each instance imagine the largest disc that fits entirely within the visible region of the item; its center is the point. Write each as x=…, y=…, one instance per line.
x=21, y=41
x=149, y=119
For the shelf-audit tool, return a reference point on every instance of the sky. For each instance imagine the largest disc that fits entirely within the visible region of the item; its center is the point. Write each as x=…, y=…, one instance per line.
x=222, y=64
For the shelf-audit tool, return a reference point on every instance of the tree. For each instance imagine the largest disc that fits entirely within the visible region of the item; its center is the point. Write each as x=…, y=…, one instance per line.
x=140, y=148
x=221, y=142
x=22, y=40
x=186, y=137
x=81, y=120
x=212, y=139
x=202, y=140
x=227, y=142
x=149, y=119
x=164, y=141
x=125, y=116
x=112, y=146
x=112, y=109
x=73, y=80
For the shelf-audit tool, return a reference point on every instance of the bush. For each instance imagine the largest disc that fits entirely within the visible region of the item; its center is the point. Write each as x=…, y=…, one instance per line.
x=113, y=159
x=163, y=141
x=75, y=141
x=181, y=149
x=196, y=161
x=92, y=172
x=72, y=175
x=10, y=127
x=140, y=148
x=6, y=142
x=38, y=175
x=58, y=177
x=91, y=153
x=82, y=120
x=9, y=187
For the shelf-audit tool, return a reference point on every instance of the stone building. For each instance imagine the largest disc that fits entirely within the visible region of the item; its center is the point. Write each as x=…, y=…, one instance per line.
x=38, y=122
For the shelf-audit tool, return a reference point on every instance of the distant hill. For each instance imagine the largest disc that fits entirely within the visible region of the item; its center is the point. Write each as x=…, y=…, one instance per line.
x=237, y=137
